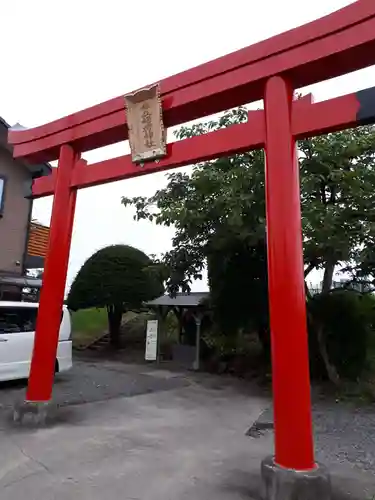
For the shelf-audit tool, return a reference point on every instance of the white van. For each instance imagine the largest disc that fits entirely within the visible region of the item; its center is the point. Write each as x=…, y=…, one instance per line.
x=17, y=331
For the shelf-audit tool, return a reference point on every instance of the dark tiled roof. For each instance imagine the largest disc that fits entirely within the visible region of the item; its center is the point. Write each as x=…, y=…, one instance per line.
x=192, y=299
x=45, y=168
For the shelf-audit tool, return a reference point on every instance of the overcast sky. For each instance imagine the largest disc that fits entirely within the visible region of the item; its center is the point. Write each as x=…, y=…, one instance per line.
x=62, y=56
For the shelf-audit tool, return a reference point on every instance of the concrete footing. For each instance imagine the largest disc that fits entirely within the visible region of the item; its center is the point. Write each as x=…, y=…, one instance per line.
x=288, y=484
x=32, y=413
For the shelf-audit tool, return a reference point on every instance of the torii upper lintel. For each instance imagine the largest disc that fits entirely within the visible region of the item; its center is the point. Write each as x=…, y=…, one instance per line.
x=334, y=45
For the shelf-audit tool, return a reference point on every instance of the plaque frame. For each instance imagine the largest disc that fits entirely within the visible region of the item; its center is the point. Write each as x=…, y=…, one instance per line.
x=132, y=102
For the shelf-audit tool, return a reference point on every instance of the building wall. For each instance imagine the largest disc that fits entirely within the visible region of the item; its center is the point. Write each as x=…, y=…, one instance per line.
x=15, y=215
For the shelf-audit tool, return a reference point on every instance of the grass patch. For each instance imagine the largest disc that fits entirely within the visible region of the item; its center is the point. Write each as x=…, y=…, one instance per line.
x=88, y=325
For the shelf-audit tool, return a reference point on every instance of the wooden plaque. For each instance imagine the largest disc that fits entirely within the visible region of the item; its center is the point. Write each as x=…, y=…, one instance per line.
x=144, y=116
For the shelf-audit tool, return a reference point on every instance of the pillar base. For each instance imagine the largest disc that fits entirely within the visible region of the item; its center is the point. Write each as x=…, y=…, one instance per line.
x=34, y=413
x=288, y=484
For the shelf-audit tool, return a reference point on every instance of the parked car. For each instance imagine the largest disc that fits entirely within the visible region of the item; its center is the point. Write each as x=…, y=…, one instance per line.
x=17, y=332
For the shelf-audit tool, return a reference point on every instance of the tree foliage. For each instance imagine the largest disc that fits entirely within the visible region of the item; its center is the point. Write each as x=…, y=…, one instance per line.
x=117, y=277
x=338, y=196
x=218, y=211
x=237, y=277
x=220, y=200
x=225, y=198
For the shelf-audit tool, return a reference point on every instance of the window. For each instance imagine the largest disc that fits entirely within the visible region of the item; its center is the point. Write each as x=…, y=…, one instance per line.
x=2, y=194
x=17, y=319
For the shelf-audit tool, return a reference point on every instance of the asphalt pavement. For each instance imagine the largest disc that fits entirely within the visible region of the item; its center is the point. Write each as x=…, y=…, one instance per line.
x=98, y=380
x=144, y=433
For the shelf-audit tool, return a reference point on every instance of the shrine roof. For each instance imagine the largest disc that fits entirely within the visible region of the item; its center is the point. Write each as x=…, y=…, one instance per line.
x=192, y=299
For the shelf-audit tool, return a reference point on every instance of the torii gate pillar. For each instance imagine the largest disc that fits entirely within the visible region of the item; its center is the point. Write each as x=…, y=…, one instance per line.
x=290, y=366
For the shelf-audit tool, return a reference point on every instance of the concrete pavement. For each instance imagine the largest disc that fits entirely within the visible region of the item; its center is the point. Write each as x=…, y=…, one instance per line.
x=184, y=443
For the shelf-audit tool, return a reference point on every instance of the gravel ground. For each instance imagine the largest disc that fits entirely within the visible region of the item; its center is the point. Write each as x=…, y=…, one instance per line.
x=90, y=382
x=343, y=433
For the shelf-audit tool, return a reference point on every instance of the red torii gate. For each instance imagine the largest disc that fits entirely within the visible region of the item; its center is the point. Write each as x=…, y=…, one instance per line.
x=337, y=44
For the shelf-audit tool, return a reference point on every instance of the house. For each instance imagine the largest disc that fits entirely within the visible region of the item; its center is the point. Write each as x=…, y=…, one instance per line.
x=15, y=220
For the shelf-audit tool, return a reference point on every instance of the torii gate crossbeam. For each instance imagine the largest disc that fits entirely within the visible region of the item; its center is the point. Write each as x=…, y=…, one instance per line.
x=329, y=47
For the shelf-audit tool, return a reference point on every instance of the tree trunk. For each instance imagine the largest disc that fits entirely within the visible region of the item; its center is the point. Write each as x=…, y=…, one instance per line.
x=317, y=330
x=329, y=270
x=178, y=313
x=114, y=324
x=333, y=376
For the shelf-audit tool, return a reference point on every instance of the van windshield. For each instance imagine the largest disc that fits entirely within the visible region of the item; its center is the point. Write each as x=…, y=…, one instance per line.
x=17, y=319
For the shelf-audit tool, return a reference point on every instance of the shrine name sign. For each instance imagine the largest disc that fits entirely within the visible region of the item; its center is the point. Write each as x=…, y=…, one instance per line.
x=144, y=116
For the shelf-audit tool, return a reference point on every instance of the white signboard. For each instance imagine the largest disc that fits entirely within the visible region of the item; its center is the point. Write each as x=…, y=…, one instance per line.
x=151, y=340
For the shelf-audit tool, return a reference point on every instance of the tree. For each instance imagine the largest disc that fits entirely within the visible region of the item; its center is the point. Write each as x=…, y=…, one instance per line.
x=225, y=197
x=220, y=208
x=117, y=277
x=237, y=276
x=338, y=196
x=219, y=200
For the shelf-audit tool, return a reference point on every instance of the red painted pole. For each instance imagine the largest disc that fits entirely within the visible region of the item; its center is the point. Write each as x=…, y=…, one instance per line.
x=294, y=448
x=70, y=212
x=54, y=278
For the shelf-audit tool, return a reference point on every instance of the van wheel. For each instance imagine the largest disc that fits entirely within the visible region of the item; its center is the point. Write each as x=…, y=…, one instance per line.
x=56, y=367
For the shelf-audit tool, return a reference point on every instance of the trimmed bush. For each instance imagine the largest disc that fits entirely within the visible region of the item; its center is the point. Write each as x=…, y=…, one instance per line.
x=119, y=278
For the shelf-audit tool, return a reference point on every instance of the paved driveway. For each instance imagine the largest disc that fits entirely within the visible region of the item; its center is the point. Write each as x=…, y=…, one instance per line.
x=147, y=435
